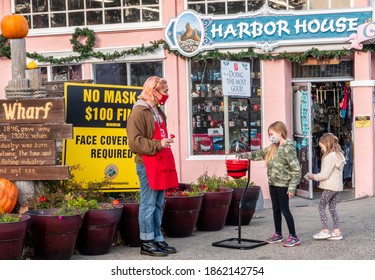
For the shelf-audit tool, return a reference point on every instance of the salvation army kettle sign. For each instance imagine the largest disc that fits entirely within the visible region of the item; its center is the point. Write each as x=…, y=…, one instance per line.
x=235, y=78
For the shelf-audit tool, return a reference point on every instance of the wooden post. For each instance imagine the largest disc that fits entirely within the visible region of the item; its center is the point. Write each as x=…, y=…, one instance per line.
x=34, y=77
x=18, y=50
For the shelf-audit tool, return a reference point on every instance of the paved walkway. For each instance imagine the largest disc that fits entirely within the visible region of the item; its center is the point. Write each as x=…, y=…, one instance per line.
x=357, y=225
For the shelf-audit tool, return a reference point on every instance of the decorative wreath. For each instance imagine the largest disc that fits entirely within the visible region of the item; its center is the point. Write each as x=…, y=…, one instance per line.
x=90, y=40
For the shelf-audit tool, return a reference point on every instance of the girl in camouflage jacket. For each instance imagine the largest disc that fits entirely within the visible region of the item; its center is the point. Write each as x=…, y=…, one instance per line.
x=284, y=174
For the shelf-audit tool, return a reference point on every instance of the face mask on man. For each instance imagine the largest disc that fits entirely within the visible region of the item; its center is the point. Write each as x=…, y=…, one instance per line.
x=163, y=98
x=274, y=139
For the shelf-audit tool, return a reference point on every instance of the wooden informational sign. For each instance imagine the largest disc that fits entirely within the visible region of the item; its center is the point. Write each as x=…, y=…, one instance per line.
x=32, y=111
x=29, y=129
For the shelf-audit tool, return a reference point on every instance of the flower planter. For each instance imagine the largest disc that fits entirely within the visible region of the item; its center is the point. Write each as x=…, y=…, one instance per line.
x=53, y=237
x=214, y=210
x=98, y=230
x=181, y=214
x=129, y=224
x=12, y=236
x=248, y=205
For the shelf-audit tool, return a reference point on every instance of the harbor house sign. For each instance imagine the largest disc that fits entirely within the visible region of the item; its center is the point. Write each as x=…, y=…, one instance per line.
x=266, y=29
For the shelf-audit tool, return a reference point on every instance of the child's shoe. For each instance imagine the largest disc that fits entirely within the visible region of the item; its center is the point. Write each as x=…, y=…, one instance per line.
x=275, y=238
x=292, y=241
x=335, y=236
x=322, y=235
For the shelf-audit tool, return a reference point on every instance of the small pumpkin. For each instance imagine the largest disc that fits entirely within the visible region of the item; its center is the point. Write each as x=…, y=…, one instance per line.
x=14, y=26
x=8, y=196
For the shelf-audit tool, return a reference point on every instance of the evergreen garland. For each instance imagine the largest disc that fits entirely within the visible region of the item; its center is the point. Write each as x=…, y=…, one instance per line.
x=85, y=51
x=4, y=47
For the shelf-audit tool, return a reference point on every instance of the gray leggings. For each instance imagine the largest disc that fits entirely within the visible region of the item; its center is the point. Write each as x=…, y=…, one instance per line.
x=329, y=198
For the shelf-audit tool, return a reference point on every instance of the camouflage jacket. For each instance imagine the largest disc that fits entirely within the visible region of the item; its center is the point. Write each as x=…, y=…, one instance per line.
x=284, y=169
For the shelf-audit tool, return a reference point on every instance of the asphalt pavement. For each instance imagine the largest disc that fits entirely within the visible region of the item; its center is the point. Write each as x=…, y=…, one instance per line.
x=357, y=225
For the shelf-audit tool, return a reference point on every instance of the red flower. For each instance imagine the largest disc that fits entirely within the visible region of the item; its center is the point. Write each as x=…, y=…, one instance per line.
x=42, y=199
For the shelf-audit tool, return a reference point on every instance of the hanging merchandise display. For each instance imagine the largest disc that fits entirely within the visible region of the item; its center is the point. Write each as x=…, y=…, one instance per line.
x=217, y=119
x=332, y=112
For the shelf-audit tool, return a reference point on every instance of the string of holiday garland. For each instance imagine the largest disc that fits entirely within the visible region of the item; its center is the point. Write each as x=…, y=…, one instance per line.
x=85, y=51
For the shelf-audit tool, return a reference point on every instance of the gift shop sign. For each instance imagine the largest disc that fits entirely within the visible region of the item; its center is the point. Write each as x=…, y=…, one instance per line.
x=266, y=29
x=99, y=147
x=236, y=78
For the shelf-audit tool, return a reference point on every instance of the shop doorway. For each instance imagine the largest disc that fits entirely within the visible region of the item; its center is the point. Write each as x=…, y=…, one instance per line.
x=318, y=108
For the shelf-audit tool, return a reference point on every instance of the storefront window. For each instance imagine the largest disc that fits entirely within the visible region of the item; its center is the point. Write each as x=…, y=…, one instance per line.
x=66, y=72
x=125, y=73
x=61, y=73
x=237, y=6
x=73, y=13
x=217, y=120
x=330, y=69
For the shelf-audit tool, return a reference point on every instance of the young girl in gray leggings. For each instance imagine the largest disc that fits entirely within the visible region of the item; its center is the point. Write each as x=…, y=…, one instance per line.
x=330, y=180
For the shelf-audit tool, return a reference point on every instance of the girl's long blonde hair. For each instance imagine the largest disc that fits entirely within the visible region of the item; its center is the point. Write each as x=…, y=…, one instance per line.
x=331, y=143
x=151, y=84
x=278, y=127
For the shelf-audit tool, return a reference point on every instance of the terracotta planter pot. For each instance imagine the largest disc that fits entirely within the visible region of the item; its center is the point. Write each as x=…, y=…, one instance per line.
x=181, y=214
x=214, y=210
x=53, y=237
x=129, y=224
x=12, y=236
x=98, y=230
x=248, y=206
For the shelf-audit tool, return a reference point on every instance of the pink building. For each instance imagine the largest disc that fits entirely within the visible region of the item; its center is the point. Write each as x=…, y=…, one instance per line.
x=312, y=96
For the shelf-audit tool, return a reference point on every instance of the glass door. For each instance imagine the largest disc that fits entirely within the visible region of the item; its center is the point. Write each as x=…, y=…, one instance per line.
x=302, y=134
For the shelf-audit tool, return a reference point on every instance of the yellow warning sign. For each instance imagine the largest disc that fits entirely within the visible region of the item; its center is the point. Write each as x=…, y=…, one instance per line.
x=362, y=121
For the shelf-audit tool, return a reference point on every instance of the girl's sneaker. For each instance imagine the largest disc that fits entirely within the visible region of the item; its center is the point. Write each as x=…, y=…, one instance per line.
x=322, y=235
x=335, y=236
x=292, y=241
x=275, y=238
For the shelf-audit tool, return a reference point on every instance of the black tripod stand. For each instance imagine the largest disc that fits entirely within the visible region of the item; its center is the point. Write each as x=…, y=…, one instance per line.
x=239, y=242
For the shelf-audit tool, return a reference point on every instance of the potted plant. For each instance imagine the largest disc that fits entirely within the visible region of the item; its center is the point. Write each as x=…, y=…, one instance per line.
x=129, y=224
x=13, y=229
x=100, y=221
x=64, y=215
x=181, y=211
x=215, y=203
x=248, y=200
x=55, y=219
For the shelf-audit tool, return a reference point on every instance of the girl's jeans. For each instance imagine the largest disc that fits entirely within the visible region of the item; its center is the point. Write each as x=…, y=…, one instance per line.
x=150, y=208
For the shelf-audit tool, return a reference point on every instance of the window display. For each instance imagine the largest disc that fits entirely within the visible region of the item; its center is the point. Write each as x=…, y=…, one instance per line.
x=217, y=120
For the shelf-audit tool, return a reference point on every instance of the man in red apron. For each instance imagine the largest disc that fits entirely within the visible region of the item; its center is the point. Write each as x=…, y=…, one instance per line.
x=155, y=165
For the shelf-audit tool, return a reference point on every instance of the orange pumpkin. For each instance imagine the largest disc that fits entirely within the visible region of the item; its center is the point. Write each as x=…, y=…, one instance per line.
x=8, y=196
x=14, y=26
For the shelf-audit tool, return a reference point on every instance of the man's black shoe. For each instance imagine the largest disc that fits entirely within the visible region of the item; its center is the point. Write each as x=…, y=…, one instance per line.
x=164, y=245
x=150, y=248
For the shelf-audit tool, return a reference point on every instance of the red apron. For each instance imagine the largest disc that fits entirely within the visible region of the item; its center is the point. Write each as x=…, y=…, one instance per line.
x=160, y=168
